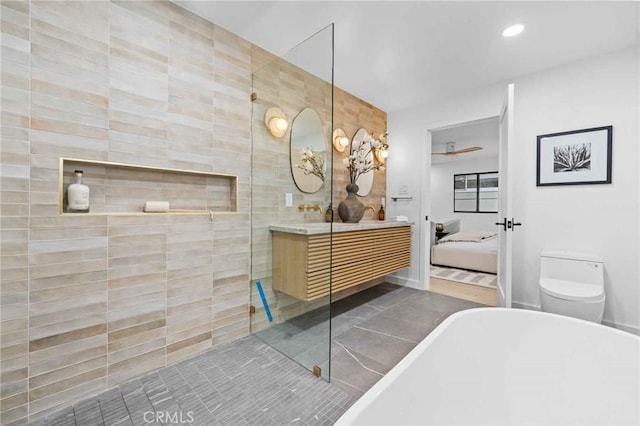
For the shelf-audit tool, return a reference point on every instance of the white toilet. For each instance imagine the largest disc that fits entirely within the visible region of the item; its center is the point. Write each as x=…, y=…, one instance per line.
x=572, y=284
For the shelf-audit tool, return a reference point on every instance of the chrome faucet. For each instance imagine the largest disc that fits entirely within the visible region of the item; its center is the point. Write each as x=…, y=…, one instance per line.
x=305, y=207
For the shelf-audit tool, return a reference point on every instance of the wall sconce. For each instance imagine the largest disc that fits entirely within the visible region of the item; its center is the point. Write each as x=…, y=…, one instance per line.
x=276, y=122
x=382, y=152
x=340, y=140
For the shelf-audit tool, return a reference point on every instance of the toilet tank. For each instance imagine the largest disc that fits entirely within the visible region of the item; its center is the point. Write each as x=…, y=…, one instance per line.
x=571, y=266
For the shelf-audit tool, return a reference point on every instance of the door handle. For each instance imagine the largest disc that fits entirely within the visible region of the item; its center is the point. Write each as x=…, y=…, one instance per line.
x=514, y=223
x=503, y=224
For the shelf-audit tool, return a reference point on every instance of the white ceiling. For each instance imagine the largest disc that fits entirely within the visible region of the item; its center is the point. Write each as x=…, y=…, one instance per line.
x=395, y=54
x=483, y=133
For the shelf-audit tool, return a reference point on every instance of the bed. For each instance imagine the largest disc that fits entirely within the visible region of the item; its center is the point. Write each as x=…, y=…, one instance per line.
x=476, y=251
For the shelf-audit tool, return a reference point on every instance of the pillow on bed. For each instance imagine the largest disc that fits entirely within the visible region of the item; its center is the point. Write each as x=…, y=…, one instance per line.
x=470, y=236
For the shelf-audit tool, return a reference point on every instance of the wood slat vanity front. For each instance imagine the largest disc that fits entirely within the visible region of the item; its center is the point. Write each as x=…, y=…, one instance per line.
x=302, y=260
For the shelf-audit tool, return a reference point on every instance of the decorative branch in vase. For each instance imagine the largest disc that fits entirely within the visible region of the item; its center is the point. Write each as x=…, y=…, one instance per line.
x=358, y=163
x=312, y=163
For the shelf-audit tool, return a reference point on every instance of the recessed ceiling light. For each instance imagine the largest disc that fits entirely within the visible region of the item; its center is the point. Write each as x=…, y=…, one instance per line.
x=513, y=30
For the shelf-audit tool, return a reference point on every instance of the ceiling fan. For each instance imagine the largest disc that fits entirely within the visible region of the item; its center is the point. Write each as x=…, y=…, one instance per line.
x=451, y=150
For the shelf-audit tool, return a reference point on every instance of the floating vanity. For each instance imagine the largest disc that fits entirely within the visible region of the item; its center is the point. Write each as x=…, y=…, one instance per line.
x=361, y=252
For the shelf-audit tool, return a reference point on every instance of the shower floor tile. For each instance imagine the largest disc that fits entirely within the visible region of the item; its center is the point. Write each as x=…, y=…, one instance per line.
x=245, y=382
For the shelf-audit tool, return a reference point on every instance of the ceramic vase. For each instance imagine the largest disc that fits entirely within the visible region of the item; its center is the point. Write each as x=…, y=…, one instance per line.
x=351, y=209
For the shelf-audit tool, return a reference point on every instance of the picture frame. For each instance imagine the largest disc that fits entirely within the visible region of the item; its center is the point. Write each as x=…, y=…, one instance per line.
x=576, y=157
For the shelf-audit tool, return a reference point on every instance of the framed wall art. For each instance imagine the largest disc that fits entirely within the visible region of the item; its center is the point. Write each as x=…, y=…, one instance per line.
x=577, y=157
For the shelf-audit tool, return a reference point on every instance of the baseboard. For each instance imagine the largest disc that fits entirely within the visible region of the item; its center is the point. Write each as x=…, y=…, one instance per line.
x=623, y=327
x=628, y=328
x=520, y=305
x=406, y=282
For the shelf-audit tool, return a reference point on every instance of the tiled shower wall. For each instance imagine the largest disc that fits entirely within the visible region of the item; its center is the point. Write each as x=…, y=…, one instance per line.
x=91, y=301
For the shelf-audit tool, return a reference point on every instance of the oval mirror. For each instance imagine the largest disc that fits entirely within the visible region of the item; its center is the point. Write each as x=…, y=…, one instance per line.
x=361, y=146
x=308, y=151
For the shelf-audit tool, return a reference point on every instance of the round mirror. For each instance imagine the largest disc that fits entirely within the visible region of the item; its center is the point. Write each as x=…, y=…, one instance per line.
x=308, y=151
x=361, y=147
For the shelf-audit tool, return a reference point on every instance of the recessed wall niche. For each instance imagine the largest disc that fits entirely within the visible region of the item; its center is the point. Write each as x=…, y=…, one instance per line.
x=123, y=189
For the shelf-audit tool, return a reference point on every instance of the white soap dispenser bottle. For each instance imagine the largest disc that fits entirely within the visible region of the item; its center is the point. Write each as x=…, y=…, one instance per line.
x=78, y=195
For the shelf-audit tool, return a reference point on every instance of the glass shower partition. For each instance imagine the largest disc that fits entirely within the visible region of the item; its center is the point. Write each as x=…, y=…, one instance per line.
x=292, y=186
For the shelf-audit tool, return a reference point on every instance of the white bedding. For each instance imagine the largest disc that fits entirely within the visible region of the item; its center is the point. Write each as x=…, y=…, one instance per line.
x=481, y=256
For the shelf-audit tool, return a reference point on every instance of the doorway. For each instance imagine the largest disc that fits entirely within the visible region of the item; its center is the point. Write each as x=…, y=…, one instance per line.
x=462, y=204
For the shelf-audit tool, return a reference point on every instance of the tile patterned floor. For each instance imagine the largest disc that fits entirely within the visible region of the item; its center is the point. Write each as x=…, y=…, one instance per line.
x=388, y=317
x=241, y=383
x=248, y=382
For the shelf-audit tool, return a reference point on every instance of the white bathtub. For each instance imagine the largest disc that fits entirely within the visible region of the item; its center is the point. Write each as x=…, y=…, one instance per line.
x=493, y=366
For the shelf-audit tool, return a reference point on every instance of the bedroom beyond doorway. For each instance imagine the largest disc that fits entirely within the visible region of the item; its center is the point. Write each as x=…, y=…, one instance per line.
x=464, y=209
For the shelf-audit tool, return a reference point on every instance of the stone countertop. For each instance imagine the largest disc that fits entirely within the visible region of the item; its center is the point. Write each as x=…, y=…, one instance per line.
x=325, y=227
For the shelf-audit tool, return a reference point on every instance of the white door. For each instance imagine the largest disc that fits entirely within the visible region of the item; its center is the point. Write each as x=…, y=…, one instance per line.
x=505, y=202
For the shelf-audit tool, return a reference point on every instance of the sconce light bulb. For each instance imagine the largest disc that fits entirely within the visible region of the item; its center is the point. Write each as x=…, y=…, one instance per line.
x=384, y=153
x=279, y=123
x=344, y=141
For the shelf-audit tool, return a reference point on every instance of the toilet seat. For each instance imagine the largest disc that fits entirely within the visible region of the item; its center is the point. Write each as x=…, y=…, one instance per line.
x=571, y=290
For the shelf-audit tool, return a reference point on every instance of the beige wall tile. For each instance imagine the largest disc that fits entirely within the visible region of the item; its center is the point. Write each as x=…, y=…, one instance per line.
x=66, y=351
x=15, y=388
x=14, y=338
x=188, y=351
x=142, y=328
x=117, y=356
x=47, y=283
x=130, y=321
x=16, y=416
x=45, y=82
x=131, y=337
x=66, y=372
x=68, y=326
x=139, y=360
x=65, y=337
x=68, y=291
x=8, y=287
x=14, y=210
x=128, y=283
x=62, y=269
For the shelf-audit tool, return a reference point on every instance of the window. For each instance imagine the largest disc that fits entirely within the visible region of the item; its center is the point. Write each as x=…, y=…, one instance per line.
x=475, y=193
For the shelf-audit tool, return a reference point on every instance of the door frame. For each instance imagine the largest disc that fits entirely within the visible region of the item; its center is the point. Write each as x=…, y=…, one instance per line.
x=504, y=291
x=425, y=190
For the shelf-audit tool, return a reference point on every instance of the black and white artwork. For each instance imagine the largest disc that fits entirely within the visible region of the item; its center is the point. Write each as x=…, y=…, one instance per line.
x=575, y=157
x=571, y=158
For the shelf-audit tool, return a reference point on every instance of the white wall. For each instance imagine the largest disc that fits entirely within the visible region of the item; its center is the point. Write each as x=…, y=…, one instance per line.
x=442, y=193
x=405, y=166
x=602, y=219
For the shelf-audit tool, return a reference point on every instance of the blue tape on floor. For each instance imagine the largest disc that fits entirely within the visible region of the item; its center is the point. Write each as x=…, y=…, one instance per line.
x=264, y=300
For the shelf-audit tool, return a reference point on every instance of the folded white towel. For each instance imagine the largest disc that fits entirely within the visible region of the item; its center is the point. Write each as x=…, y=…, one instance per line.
x=156, y=206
